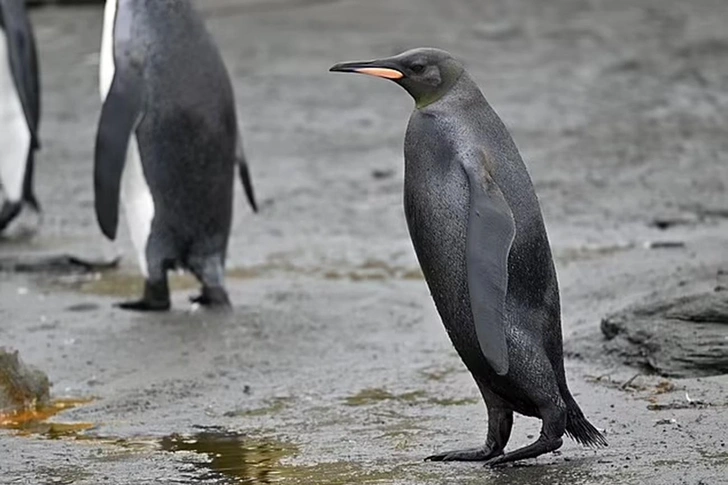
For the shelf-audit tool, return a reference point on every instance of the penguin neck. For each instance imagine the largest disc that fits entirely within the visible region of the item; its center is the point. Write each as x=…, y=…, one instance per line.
x=426, y=99
x=459, y=94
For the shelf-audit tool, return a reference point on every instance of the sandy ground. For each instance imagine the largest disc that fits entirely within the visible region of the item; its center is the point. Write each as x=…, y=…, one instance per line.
x=334, y=367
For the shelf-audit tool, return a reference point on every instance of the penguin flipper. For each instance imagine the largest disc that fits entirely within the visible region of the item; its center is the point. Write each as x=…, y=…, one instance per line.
x=120, y=115
x=491, y=230
x=23, y=62
x=247, y=182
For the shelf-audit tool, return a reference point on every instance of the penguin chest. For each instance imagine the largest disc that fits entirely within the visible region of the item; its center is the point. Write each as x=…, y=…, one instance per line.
x=136, y=198
x=15, y=135
x=436, y=208
x=106, y=56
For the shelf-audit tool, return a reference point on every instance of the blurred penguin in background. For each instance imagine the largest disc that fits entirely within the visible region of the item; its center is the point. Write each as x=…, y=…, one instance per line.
x=19, y=111
x=168, y=145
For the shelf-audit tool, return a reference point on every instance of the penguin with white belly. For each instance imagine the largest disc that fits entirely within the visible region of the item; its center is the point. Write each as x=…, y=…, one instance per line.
x=19, y=110
x=168, y=144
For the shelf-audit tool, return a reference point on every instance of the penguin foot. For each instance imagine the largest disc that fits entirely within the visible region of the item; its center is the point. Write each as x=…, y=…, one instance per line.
x=539, y=447
x=493, y=462
x=483, y=453
x=211, y=297
x=155, y=299
x=145, y=305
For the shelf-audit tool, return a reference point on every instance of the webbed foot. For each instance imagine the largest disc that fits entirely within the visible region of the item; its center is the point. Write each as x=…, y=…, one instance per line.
x=155, y=299
x=537, y=448
x=144, y=305
x=483, y=453
x=213, y=297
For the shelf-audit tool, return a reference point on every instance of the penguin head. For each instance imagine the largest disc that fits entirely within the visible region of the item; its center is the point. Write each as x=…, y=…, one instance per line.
x=427, y=74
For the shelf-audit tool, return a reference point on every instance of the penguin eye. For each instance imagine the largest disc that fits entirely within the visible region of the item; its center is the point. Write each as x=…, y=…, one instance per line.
x=417, y=68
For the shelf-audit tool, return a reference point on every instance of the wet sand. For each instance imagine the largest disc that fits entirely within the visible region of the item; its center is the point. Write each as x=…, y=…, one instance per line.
x=334, y=367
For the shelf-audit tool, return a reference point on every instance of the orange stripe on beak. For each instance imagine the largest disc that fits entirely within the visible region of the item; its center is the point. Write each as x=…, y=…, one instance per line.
x=381, y=72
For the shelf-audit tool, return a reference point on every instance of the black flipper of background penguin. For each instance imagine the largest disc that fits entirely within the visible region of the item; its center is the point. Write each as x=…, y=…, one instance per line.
x=23, y=63
x=24, y=69
x=242, y=163
x=491, y=230
x=120, y=115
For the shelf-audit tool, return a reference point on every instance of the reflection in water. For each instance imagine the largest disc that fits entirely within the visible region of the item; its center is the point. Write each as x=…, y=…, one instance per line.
x=235, y=459
x=231, y=456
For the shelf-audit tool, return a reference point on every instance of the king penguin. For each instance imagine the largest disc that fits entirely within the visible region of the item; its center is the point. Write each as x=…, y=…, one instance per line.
x=480, y=239
x=19, y=110
x=168, y=144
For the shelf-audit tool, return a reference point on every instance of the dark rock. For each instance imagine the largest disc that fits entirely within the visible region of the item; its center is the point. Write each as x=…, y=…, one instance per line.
x=55, y=264
x=684, y=337
x=22, y=388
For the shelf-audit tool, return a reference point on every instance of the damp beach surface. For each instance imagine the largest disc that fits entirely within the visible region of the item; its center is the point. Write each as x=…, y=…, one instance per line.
x=334, y=367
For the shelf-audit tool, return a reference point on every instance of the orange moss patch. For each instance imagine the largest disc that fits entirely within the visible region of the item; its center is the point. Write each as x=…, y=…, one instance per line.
x=35, y=421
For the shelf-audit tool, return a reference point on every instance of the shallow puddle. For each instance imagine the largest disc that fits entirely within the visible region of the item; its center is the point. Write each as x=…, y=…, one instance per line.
x=29, y=423
x=233, y=458
x=218, y=456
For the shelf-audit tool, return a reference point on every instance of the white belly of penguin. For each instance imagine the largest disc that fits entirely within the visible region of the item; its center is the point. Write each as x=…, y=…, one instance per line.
x=14, y=132
x=136, y=197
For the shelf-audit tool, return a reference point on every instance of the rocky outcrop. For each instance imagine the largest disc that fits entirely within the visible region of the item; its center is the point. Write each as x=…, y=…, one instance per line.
x=684, y=337
x=22, y=388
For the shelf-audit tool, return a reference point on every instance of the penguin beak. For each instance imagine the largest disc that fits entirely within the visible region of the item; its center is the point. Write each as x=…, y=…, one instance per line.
x=382, y=68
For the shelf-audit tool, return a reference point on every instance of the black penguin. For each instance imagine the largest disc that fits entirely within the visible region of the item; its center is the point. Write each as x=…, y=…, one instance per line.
x=19, y=110
x=169, y=116
x=477, y=229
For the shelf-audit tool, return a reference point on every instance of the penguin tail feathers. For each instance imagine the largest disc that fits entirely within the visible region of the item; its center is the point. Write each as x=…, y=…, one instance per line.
x=247, y=185
x=32, y=201
x=245, y=174
x=581, y=430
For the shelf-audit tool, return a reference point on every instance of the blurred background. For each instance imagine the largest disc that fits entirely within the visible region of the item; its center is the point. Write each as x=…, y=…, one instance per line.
x=335, y=367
